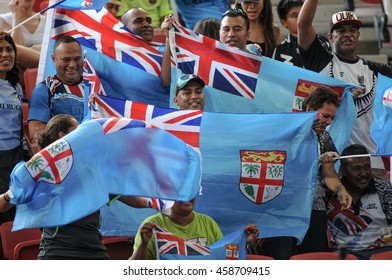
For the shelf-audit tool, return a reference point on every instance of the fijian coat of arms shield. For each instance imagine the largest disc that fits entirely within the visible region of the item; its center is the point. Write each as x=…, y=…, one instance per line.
x=262, y=174
x=51, y=164
x=232, y=251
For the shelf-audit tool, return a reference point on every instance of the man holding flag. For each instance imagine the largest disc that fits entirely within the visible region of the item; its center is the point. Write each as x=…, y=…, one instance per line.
x=185, y=223
x=344, y=64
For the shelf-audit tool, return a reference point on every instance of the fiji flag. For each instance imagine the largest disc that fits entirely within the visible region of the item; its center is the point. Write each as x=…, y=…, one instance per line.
x=73, y=177
x=259, y=166
x=172, y=247
x=381, y=129
x=240, y=82
x=80, y=4
x=125, y=63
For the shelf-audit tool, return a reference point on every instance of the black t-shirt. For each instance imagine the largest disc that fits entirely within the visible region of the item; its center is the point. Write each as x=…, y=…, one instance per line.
x=78, y=240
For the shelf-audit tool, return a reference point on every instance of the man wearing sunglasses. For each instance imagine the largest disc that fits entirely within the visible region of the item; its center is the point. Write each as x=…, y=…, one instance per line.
x=189, y=92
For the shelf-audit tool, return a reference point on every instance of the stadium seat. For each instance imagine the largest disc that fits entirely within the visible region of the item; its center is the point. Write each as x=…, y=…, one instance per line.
x=119, y=247
x=321, y=256
x=30, y=81
x=382, y=256
x=10, y=239
x=258, y=257
x=27, y=250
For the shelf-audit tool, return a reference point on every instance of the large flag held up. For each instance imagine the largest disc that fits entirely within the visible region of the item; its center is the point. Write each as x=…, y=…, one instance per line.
x=171, y=247
x=125, y=62
x=74, y=176
x=381, y=129
x=259, y=166
x=240, y=82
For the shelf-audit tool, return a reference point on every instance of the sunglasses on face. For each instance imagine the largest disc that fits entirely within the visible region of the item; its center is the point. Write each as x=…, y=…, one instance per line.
x=234, y=12
x=4, y=34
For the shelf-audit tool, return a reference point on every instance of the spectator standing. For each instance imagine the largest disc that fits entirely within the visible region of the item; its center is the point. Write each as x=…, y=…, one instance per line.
x=344, y=64
x=288, y=51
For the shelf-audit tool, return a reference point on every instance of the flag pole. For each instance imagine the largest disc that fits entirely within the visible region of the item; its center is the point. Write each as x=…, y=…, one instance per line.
x=33, y=16
x=354, y=156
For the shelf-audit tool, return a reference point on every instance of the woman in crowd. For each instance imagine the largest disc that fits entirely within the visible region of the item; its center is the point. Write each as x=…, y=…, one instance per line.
x=11, y=150
x=262, y=29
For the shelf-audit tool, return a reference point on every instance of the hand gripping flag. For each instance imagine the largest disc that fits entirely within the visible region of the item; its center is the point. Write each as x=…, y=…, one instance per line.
x=259, y=166
x=240, y=82
x=74, y=176
x=172, y=247
x=125, y=62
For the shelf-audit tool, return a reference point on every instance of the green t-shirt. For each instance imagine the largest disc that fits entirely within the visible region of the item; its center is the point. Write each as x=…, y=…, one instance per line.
x=202, y=230
x=156, y=11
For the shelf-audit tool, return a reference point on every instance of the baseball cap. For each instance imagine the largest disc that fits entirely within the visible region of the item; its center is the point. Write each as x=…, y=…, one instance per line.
x=344, y=17
x=186, y=78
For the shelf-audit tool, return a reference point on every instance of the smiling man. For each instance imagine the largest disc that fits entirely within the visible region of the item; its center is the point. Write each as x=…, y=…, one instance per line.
x=344, y=64
x=189, y=92
x=359, y=227
x=61, y=93
x=139, y=22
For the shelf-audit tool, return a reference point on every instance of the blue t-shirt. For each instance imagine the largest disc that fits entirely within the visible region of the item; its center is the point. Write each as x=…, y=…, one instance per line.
x=52, y=97
x=10, y=115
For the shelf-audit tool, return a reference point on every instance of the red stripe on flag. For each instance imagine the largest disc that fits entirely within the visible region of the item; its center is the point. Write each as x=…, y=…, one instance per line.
x=184, y=116
x=138, y=111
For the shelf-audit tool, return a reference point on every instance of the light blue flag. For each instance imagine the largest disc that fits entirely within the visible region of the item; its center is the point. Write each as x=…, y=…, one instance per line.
x=78, y=4
x=259, y=169
x=381, y=128
x=73, y=177
x=128, y=66
x=171, y=247
x=256, y=168
x=239, y=82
